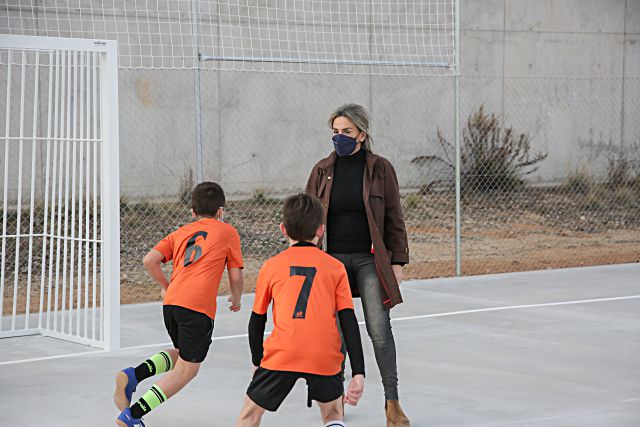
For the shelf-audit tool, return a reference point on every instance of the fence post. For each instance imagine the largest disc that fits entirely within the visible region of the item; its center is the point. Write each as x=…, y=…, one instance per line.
x=195, y=16
x=456, y=95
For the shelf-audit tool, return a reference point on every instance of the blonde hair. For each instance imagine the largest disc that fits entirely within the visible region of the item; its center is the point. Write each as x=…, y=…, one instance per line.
x=357, y=115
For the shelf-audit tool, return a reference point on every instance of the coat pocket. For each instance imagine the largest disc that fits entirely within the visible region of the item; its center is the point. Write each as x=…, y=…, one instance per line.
x=377, y=185
x=377, y=191
x=321, y=187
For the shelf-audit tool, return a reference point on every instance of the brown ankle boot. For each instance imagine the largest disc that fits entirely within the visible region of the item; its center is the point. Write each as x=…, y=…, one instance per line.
x=395, y=414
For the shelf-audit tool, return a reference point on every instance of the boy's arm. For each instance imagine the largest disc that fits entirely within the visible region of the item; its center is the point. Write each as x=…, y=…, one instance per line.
x=236, y=283
x=234, y=267
x=258, y=318
x=152, y=263
x=351, y=333
x=257, y=324
x=349, y=323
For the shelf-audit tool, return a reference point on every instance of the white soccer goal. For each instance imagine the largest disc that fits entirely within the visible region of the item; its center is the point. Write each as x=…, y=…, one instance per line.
x=59, y=270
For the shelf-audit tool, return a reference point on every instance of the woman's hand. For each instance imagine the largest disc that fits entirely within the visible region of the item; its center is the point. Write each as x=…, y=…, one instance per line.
x=397, y=270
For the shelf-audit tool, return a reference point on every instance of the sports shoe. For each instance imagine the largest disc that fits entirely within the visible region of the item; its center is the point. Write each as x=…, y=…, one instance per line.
x=126, y=420
x=126, y=383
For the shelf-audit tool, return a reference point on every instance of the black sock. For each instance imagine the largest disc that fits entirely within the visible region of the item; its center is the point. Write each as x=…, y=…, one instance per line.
x=140, y=409
x=145, y=370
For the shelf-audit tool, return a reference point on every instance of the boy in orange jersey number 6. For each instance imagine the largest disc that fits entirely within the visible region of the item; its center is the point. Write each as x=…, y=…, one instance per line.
x=200, y=251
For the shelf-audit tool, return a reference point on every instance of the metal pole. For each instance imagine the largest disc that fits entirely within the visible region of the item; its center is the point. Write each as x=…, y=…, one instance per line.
x=110, y=180
x=624, y=57
x=3, y=255
x=195, y=16
x=456, y=94
x=295, y=60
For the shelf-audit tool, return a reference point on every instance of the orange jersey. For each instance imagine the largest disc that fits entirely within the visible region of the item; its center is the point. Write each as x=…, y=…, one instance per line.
x=308, y=287
x=199, y=250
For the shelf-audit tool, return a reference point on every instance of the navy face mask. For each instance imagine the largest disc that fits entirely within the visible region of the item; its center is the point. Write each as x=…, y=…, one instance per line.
x=344, y=144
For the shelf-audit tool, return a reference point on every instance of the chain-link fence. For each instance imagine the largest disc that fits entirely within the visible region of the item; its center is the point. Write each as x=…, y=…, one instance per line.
x=549, y=168
x=550, y=173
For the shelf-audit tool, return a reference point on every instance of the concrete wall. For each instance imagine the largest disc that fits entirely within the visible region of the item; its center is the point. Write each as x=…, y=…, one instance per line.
x=566, y=72
x=563, y=63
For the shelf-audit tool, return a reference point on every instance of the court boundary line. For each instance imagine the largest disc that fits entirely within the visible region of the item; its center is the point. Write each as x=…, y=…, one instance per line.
x=606, y=408
x=397, y=319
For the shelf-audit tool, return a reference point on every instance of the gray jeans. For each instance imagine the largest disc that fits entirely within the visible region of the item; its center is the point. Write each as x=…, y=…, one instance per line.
x=361, y=268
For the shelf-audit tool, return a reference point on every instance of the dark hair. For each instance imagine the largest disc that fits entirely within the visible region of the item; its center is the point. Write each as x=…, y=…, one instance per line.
x=302, y=215
x=207, y=198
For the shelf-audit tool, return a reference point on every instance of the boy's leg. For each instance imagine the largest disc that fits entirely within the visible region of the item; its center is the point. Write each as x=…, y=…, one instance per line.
x=328, y=391
x=127, y=380
x=250, y=414
x=157, y=364
x=165, y=388
x=331, y=413
x=267, y=391
x=179, y=377
x=190, y=332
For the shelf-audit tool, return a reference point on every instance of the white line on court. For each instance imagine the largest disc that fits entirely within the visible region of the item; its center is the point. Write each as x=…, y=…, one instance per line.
x=60, y=356
x=605, y=408
x=513, y=307
x=397, y=319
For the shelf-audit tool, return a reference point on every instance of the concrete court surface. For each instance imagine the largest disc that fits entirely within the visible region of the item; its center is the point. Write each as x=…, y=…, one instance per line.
x=545, y=348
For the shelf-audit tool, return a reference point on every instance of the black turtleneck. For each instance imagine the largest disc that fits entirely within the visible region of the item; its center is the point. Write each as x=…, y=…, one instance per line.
x=347, y=225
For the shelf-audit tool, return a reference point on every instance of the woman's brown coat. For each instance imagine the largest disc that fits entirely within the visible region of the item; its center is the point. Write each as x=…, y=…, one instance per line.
x=381, y=196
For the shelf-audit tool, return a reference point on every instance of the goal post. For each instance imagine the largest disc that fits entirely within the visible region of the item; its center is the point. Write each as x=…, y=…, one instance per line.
x=60, y=211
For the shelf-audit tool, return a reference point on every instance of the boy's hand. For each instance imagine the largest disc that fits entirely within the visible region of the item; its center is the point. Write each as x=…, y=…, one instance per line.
x=354, y=392
x=235, y=303
x=163, y=293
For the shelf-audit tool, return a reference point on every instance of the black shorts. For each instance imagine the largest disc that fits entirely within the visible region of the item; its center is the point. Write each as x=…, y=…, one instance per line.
x=268, y=389
x=190, y=332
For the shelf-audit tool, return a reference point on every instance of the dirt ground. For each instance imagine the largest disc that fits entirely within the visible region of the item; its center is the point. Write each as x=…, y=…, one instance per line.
x=539, y=229
x=483, y=254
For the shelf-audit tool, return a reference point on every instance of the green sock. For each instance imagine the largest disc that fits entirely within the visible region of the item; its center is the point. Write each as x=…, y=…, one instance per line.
x=156, y=364
x=150, y=400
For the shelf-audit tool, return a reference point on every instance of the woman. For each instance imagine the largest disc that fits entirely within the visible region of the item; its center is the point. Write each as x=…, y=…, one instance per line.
x=366, y=232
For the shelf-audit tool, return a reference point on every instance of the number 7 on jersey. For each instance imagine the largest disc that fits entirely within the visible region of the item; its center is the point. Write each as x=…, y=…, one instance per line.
x=309, y=273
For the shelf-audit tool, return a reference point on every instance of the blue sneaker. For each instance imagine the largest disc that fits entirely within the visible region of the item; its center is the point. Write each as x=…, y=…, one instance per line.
x=126, y=420
x=126, y=383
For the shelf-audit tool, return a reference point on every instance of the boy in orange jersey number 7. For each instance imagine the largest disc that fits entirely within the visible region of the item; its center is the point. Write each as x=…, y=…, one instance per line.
x=200, y=251
x=309, y=289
